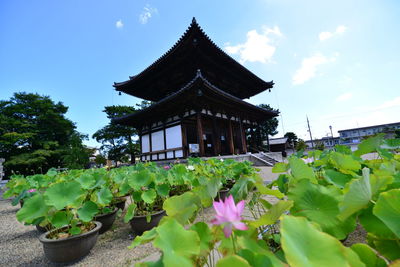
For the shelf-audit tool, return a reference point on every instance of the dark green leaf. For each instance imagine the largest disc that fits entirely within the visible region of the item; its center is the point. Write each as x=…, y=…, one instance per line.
x=88, y=211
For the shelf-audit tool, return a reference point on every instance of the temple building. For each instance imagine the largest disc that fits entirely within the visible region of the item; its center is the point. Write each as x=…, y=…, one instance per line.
x=198, y=109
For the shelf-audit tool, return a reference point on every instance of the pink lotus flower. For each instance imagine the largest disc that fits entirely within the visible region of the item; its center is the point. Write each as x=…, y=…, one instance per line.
x=31, y=190
x=229, y=215
x=167, y=167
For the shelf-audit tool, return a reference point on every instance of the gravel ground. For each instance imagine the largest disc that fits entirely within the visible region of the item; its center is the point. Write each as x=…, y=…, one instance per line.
x=20, y=246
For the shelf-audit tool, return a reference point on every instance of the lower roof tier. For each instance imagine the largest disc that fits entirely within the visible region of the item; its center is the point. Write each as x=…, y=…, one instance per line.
x=197, y=95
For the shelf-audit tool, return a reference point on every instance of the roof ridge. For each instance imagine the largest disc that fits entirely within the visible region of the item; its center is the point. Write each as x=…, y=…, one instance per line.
x=192, y=25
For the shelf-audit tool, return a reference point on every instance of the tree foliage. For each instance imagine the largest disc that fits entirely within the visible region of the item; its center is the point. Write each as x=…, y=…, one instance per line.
x=301, y=145
x=34, y=133
x=77, y=155
x=270, y=126
x=118, y=140
x=292, y=138
x=266, y=129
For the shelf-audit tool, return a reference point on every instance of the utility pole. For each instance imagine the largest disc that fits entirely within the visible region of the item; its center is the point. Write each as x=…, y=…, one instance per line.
x=333, y=140
x=309, y=130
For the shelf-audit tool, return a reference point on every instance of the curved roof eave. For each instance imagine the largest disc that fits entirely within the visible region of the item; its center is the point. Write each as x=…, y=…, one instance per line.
x=187, y=87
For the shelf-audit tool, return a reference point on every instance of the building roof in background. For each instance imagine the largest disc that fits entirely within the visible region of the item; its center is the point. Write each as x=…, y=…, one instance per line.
x=372, y=126
x=278, y=141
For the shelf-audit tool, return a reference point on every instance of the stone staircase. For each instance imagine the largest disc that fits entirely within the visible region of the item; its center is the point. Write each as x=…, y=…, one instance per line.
x=263, y=159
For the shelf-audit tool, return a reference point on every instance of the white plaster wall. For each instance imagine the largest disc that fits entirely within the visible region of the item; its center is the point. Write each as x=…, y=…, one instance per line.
x=145, y=143
x=174, y=137
x=157, y=141
x=179, y=153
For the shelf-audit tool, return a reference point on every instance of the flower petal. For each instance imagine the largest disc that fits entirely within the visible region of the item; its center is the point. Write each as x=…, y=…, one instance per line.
x=240, y=207
x=219, y=207
x=231, y=215
x=240, y=226
x=230, y=203
x=219, y=220
x=227, y=230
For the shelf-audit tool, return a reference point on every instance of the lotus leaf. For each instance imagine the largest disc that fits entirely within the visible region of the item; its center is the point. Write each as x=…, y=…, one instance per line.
x=63, y=194
x=88, y=211
x=34, y=207
x=387, y=209
x=304, y=245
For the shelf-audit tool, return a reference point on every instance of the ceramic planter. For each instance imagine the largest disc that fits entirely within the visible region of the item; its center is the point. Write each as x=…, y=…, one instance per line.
x=106, y=220
x=41, y=229
x=222, y=194
x=120, y=203
x=71, y=248
x=139, y=224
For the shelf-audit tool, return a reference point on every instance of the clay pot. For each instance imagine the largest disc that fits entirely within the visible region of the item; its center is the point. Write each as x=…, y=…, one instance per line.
x=71, y=248
x=222, y=194
x=41, y=229
x=106, y=220
x=120, y=203
x=139, y=224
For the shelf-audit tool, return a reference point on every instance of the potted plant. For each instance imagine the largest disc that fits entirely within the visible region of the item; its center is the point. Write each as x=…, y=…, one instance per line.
x=119, y=187
x=149, y=189
x=99, y=185
x=64, y=205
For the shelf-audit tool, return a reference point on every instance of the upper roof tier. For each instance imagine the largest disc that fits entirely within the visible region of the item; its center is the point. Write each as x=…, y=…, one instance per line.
x=193, y=51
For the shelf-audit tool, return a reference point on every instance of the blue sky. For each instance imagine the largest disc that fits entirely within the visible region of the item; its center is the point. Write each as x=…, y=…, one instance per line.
x=336, y=62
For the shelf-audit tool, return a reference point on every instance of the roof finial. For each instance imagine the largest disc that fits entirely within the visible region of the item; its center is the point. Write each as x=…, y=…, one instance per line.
x=198, y=73
x=194, y=20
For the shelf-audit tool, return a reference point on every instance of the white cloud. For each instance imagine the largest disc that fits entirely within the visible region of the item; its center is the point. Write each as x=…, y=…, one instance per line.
x=259, y=47
x=344, y=97
x=327, y=35
x=390, y=103
x=119, y=24
x=309, y=66
x=147, y=13
x=341, y=29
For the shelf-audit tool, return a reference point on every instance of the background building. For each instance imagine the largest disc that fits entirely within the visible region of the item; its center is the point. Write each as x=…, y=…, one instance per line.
x=356, y=135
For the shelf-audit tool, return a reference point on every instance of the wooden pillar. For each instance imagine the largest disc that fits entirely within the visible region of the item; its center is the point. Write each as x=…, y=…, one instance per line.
x=165, y=140
x=258, y=134
x=243, y=136
x=140, y=142
x=216, y=137
x=230, y=137
x=251, y=140
x=150, y=144
x=184, y=141
x=200, y=133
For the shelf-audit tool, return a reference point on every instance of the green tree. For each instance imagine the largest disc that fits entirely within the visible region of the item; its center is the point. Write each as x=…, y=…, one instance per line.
x=77, y=155
x=34, y=133
x=117, y=140
x=100, y=159
x=292, y=138
x=301, y=145
x=265, y=129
